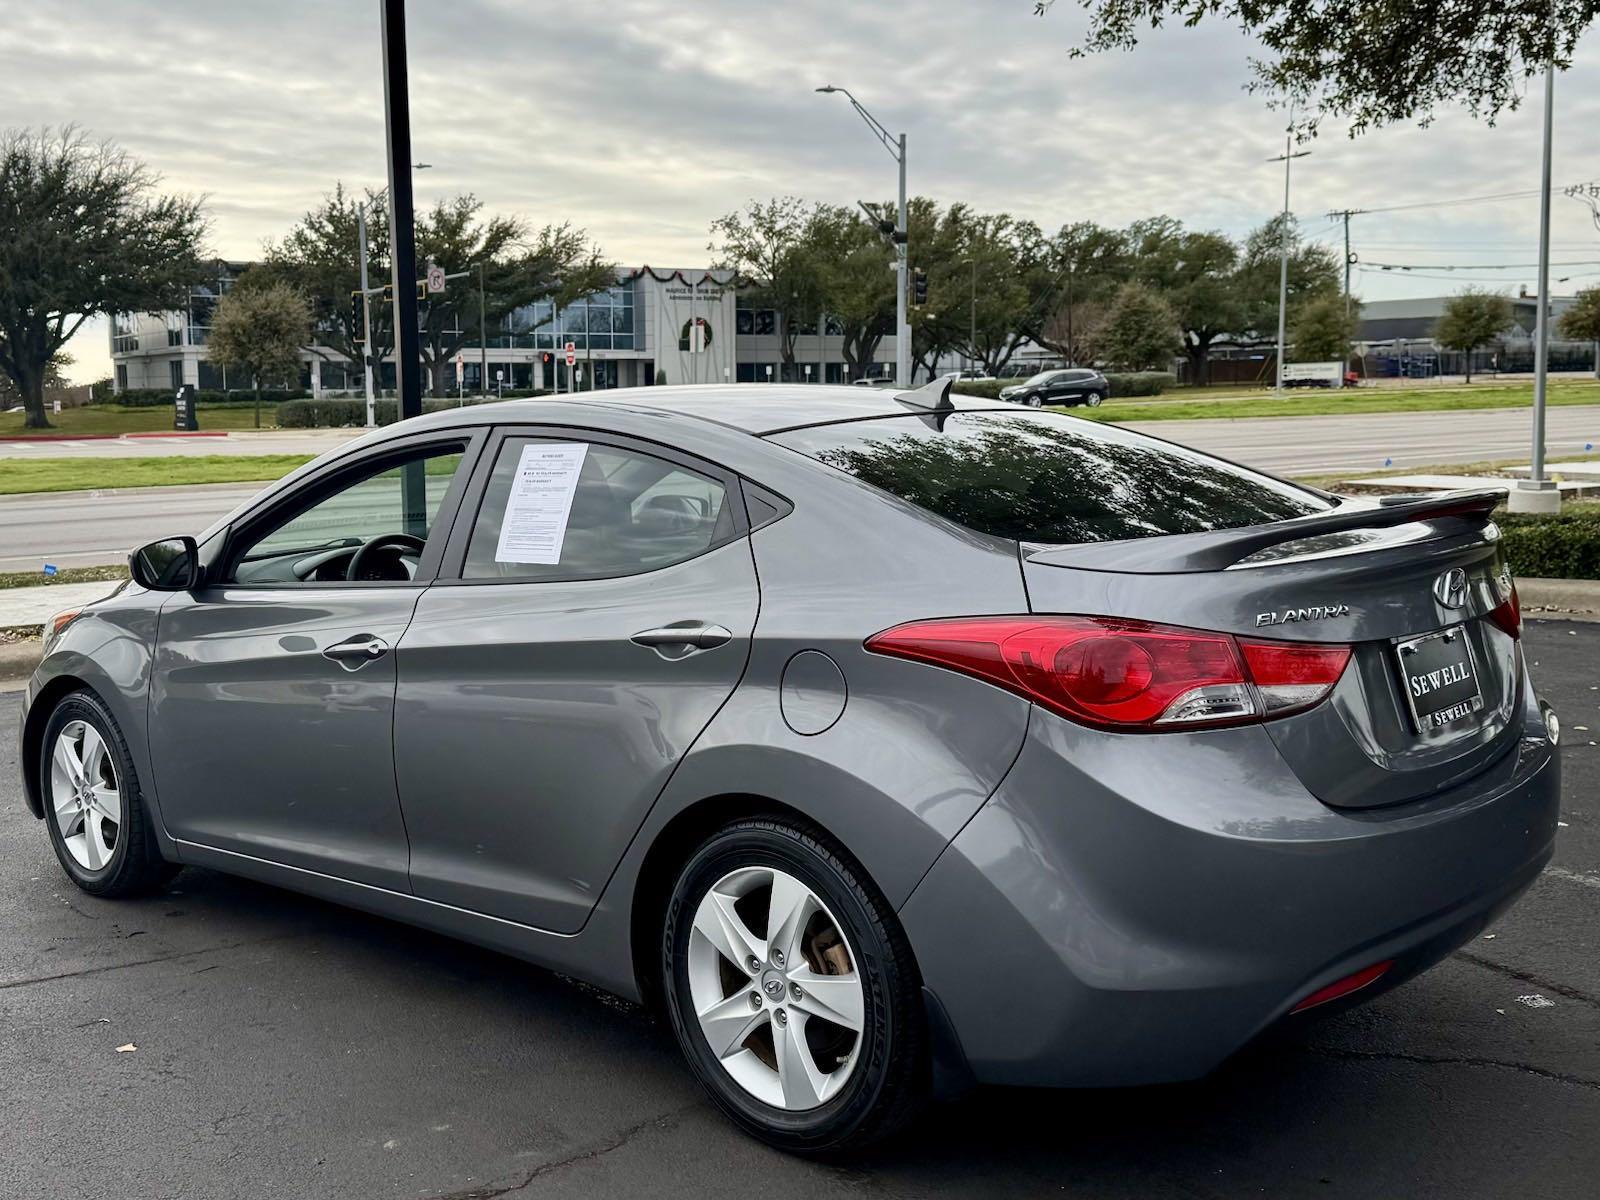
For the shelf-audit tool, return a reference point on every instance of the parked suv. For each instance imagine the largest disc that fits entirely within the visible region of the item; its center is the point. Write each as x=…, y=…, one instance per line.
x=1073, y=385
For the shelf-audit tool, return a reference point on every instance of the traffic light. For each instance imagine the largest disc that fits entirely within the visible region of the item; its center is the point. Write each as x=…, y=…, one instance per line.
x=919, y=286
x=357, y=325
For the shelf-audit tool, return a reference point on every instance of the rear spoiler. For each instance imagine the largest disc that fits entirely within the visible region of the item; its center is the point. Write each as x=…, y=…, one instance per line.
x=1218, y=550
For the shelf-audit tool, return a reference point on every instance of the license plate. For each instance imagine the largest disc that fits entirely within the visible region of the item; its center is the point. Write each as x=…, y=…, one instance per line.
x=1440, y=678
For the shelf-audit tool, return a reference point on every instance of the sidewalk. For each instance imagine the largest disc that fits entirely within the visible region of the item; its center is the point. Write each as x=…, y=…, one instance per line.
x=36, y=605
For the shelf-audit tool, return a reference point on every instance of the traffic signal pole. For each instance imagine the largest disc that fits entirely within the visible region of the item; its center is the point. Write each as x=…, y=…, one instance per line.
x=402, y=228
x=902, y=326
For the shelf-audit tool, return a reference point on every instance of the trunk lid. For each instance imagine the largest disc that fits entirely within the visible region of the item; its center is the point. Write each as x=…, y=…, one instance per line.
x=1374, y=576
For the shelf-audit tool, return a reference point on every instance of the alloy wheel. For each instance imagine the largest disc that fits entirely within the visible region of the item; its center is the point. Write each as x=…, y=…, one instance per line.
x=85, y=799
x=775, y=988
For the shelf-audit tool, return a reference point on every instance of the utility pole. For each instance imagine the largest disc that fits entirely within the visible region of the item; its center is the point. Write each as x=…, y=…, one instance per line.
x=972, y=321
x=1345, y=214
x=366, y=311
x=1286, y=158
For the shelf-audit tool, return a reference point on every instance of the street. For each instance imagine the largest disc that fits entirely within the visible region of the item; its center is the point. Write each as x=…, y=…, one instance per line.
x=80, y=529
x=285, y=1047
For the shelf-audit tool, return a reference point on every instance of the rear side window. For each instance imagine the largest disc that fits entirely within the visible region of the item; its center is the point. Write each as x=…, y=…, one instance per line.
x=1045, y=477
x=597, y=512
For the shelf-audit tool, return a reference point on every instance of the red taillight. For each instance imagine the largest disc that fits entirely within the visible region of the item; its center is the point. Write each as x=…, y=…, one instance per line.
x=1508, y=613
x=1343, y=987
x=1122, y=674
x=1293, y=675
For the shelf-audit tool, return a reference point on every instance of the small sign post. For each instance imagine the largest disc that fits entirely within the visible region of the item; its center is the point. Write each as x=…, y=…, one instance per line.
x=461, y=378
x=184, y=416
x=571, y=349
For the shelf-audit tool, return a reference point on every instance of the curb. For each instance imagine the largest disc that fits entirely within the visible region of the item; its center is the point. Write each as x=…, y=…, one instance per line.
x=111, y=437
x=1572, y=599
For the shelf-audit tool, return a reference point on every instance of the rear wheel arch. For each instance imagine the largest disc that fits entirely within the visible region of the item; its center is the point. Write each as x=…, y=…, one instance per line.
x=53, y=692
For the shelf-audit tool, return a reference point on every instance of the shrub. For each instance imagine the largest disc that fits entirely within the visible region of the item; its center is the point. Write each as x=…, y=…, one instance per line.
x=345, y=412
x=1141, y=383
x=1562, y=546
x=157, y=397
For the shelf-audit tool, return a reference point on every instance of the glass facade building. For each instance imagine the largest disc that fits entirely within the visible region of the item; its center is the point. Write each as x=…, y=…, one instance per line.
x=603, y=321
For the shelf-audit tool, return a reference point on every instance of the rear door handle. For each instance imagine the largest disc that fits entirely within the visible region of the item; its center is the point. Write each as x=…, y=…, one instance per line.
x=354, y=653
x=696, y=634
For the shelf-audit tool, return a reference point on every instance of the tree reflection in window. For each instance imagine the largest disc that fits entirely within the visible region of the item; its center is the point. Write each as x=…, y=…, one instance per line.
x=1049, y=478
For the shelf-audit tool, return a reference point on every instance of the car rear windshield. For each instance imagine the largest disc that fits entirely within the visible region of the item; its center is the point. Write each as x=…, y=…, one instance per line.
x=1045, y=477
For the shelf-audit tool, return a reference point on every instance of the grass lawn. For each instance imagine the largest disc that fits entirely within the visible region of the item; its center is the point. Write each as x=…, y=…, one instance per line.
x=1313, y=403
x=18, y=475
x=117, y=418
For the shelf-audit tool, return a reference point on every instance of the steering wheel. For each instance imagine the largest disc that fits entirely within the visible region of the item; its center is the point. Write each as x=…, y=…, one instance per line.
x=363, y=556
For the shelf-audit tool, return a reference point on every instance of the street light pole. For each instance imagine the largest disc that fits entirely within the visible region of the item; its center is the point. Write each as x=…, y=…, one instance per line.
x=366, y=312
x=483, y=336
x=1286, y=158
x=1536, y=493
x=896, y=145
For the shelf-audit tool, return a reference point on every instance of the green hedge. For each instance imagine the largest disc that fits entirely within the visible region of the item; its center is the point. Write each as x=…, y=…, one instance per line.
x=157, y=397
x=1141, y=383
x=1136, y=383
x=330, y=413
x=1563, y=546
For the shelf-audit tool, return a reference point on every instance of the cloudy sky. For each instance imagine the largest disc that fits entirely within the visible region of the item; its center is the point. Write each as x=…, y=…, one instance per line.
x=642, y=120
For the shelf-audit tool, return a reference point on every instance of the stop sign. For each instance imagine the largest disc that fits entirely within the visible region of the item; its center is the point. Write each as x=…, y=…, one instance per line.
x=572, y=353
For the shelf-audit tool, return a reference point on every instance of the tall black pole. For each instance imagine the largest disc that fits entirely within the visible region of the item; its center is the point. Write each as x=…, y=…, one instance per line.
x=402, y=230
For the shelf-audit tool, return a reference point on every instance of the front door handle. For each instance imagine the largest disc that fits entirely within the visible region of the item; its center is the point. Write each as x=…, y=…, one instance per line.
x=354, y=653
x=697, y=635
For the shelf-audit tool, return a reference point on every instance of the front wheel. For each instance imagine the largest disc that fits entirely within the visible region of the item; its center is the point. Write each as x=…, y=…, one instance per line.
x=791, y=989
x=99, y=826
x=1034, y=401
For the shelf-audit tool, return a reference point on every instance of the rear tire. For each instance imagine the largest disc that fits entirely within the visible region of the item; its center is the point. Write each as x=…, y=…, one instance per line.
x=99, y=827
x=852, y=1086
x=1093, y=399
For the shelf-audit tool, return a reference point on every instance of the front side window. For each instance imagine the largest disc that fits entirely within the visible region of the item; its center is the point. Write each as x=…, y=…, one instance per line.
x=1045, y=477
x=372, y=528
x=561, y=509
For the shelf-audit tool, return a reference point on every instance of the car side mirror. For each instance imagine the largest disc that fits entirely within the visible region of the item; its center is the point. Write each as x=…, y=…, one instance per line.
x=169, y=565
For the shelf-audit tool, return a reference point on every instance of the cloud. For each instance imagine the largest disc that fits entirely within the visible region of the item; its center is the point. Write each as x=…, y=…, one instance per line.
x=642, y=121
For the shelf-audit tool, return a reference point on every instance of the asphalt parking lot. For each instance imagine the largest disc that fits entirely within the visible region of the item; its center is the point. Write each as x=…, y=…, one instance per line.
x=288, y=1048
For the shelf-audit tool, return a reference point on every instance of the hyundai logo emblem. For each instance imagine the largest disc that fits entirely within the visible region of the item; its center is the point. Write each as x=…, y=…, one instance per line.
x=1450, y=589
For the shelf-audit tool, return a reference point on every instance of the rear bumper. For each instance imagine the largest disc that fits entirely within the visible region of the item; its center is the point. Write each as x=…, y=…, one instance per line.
x=1130, y=910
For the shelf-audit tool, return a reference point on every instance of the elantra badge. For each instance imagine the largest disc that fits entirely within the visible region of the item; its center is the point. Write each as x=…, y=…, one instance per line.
x=1291, y=616
x=1450, y=589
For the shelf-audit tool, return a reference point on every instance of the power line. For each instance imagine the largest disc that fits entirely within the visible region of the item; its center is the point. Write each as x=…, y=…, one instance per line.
x=1577, y=262
x=1469, y=278
x=1461, y=200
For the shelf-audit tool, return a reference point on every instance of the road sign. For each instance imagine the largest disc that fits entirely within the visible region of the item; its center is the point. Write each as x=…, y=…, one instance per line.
x=435, y=278
x=572, y=353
